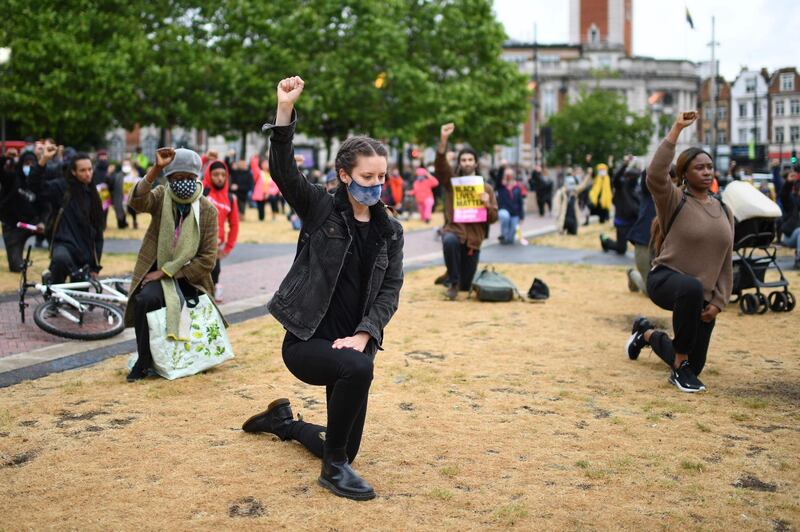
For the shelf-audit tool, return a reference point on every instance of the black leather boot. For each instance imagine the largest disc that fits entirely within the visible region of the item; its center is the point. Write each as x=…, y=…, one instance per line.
x=276, y=419
x=341, y=479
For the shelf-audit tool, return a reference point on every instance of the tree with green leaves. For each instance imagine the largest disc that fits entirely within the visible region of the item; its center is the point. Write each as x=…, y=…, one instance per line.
x=598, y=123
x=71, y=74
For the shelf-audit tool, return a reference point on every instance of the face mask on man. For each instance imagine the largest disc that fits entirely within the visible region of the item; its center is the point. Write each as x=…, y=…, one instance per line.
x=183, y=188
x=126, y=168
x=26, y=170
x=365, y=195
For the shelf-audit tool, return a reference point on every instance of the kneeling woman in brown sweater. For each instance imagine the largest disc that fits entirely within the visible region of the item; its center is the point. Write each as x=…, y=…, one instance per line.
x=692, y=271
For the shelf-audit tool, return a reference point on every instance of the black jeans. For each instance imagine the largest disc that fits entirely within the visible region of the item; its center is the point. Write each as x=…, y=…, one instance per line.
x=347, y=376
x=683, y=295
x=461, y=262
x=215, y=272
x=14, y=239
x=260, y=207
x=148, y=298
x=63, y=265
x=620, y=245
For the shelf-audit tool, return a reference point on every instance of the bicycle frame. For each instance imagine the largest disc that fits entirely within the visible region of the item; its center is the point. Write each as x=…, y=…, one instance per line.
x=64, y=293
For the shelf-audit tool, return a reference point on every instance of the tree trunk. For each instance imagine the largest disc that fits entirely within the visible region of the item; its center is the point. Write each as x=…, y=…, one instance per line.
x=328, y=154
x=243, y=152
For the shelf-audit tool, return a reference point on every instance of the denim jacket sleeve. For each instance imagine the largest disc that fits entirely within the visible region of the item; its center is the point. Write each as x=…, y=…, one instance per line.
x=386, y=301
x=294, y=187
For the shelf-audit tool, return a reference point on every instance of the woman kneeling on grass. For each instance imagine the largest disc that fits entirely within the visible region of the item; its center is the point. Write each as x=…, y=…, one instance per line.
x=692, y=270
x=338, y=296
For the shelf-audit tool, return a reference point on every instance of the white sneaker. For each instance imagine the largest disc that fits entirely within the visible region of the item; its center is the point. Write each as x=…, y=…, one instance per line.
x=218, y=293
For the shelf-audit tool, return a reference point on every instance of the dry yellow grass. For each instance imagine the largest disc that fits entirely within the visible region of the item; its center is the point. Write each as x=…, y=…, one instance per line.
x=254, y=232
x=588, y=237
x=482, y=416
x=113, y=264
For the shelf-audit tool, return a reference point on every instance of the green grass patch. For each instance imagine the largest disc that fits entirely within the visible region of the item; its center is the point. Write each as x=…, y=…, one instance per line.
x=510, y=514
x=441, y=494
x=694, y=467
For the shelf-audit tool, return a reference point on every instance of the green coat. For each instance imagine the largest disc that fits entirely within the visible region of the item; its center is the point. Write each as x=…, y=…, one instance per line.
x=198, y=270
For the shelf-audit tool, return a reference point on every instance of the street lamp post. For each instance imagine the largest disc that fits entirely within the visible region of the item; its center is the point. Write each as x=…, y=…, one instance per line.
x=5, y=56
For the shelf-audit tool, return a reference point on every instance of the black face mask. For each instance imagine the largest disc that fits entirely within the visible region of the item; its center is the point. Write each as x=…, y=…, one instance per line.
x=183, y=188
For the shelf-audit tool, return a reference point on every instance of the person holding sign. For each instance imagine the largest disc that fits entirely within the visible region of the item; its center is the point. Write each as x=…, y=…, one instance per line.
x=470, y=206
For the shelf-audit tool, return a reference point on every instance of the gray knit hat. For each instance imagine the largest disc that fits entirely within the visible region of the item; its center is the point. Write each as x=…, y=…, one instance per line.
x=184, y=161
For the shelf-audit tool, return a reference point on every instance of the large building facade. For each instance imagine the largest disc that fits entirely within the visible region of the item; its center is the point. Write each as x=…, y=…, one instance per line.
x=784, y=116
x=749, y=107
x=600, y=58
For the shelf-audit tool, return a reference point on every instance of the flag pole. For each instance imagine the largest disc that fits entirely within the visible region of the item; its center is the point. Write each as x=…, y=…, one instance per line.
x=713, y=94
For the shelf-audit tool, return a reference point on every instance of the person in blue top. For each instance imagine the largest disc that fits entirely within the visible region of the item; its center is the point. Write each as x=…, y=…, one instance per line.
x=511, y=205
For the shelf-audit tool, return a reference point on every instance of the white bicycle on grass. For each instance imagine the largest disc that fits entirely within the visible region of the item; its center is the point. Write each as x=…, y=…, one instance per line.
x=88, y=310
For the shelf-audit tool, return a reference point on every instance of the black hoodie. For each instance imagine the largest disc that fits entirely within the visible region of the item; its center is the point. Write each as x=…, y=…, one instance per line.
x=16, y=200
x=81, y=226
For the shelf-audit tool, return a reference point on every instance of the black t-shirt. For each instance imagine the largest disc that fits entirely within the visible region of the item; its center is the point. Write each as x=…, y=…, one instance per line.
x=344, y=312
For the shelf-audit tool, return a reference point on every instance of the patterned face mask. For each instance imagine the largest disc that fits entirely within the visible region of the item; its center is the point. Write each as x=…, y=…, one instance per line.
x=184, y=188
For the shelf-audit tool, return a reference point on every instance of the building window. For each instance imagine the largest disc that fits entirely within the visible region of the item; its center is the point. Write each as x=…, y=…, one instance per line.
x=549, y=101
x=779, y=135
x=756, y=134
x=787, y=82
x=708, y=138
x=794, y=132
x=756, y=109
x=750, y=85
x=594, y=35
x=707, y=114
x=722, y=112
x=778, y=107
x=722, y=138
x=794, y=107
x=742, y=135
x=742, y=109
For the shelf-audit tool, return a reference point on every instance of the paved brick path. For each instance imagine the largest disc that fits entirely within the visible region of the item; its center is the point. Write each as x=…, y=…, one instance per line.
x=256, y=270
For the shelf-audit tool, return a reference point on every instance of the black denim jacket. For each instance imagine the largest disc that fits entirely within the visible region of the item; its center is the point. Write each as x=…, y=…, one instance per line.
x=327, y=231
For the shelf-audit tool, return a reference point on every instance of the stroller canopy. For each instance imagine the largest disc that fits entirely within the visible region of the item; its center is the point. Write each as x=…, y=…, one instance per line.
x=746, y=201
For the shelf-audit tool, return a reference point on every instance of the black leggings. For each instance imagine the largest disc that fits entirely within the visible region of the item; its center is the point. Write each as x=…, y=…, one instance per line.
x=461, y=262
x=620, y=245
x=215, y=272
x=260, y=207
x=683, y=295
x=346, y=375
x=14, y=239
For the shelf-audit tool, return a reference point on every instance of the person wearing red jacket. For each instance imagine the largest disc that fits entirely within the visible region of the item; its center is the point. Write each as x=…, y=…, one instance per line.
x=423, y=192
x=216, y=184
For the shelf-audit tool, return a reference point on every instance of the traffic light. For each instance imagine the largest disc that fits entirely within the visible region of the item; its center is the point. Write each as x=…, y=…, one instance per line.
x=794, y=157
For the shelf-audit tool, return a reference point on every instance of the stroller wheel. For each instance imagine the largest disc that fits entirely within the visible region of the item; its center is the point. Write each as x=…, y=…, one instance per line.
x=778, y=301
x=748, y=303
x=790, y=301
x=762, y=302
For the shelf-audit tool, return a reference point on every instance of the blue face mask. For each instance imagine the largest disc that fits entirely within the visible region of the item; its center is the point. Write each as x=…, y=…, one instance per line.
x=26, y=170
x=364, y=195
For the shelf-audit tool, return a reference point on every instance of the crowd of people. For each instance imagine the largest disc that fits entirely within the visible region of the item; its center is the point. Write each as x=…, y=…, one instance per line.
x=343, y=287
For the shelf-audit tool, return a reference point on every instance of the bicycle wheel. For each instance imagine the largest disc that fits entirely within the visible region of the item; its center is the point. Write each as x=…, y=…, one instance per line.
x=100, y=320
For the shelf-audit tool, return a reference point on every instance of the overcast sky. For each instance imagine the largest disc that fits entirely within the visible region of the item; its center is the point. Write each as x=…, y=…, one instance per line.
x=754, y=33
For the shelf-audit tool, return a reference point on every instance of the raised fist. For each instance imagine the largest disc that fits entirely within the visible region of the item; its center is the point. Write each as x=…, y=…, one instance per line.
x=164, y=156
x=289, y=90
x=50, y=151
x=685, y=119
x=447, y=129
